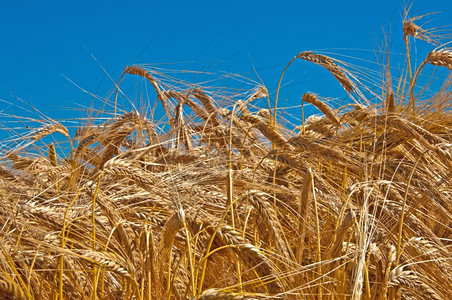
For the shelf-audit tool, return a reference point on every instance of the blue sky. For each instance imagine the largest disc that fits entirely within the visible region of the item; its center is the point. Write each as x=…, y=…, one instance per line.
x=48, y=44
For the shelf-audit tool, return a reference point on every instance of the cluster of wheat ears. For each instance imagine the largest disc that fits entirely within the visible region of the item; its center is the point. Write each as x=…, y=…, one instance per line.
x=221, y=200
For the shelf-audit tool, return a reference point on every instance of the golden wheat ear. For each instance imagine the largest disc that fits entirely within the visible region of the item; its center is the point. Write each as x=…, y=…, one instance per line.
x=136, y=70
x=10, y=290
x=217, y=294
x=52, y=155
x=410, y=28
x=441, y=57
x=328, y=111
x=438, y=57
x=329, y=64
x=56, y=127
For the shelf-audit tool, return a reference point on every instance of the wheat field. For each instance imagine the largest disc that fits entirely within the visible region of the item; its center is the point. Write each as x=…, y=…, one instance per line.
x=221, y=198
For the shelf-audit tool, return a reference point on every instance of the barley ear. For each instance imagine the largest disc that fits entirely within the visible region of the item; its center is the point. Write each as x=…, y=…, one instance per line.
x=56, y=127
x=10, y=290
x=52, y=155
x=441, y=57
x=329, y=64
x=136, y=70
x=324, y=108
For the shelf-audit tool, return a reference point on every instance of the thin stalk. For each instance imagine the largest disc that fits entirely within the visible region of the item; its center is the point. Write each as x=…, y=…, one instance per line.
x=317, y=225
x=168, y=286
x=278, y=88
x=407, y=48
x=413, y=83
x=366, y=278
x=93, y=221
x=190, y=258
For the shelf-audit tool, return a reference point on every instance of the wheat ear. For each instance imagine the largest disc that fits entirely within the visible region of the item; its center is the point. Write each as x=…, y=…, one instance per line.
x=10, y=290
x=110, y=261
x=57, y=127
x=329, y=64
x=441, y=57
x=409, y=280
x=328, y=111
x=216, y=294
x=136, y=70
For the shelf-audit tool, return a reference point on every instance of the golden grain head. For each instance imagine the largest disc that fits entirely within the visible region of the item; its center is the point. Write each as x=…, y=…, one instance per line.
x=441, y=57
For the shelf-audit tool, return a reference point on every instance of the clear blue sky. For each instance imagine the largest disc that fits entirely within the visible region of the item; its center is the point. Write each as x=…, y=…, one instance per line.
x=46, y=42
